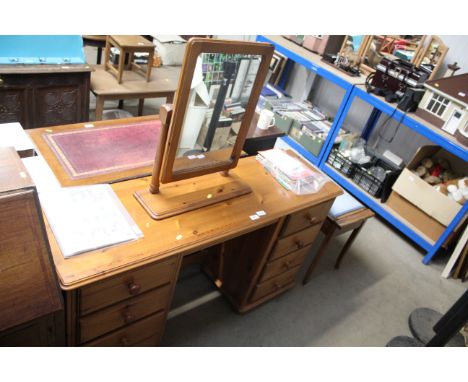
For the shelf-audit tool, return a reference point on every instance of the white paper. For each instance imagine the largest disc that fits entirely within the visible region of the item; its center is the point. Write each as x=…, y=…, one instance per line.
x=87, y=218
x=13, y=135
x=254, y=217
x=261, y=213
x=41, y=174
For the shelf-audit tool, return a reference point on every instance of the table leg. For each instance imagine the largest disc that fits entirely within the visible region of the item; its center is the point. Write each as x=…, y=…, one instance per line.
x=99, y=55
x=318, y=256
x=348, y=244
x=121, y=104
x=107, y=54
x=129, y=60
x=121, y=65
x=141, y=105
x=149, y=67
x=99, y=108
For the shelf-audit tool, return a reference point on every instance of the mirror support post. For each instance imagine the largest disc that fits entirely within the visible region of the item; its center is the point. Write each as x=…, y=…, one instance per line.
x=165, y=115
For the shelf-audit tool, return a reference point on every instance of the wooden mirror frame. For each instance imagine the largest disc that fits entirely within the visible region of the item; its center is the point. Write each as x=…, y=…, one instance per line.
x=195, y=47
x=422, y=53
x=172, y=199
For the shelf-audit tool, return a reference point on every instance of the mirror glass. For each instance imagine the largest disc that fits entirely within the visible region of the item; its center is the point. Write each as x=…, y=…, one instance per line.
x=219, y=94
x=353, y=43
x=433, y=55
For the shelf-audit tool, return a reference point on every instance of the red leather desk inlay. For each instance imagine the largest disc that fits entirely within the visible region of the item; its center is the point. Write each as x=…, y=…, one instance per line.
x=102, y=150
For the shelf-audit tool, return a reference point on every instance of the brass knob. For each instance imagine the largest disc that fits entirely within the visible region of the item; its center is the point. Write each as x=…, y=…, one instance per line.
x=1, y=81
x=311, y=219
x=124, y=341
x=299, y=244
x=134, y=288
x=128, y=316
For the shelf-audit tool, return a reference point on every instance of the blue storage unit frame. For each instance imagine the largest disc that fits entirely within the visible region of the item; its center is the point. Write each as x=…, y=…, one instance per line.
x=380, y=106
x=348, y=87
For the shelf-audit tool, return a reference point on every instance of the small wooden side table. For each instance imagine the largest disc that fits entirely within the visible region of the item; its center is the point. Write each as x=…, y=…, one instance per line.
x=129, y=45
x=336, y=226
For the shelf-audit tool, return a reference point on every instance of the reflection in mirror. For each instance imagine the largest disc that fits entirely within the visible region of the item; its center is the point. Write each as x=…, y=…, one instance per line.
x=220, y=91
x=404, y=47
x=432, y=56
x=373, y=55
x=353, y=43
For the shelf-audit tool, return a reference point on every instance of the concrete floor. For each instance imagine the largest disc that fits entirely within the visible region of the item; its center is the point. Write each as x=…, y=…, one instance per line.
x=365, y=303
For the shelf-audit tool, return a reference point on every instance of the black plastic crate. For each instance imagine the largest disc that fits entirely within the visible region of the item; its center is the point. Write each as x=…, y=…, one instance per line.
x=341, y=163
x=367, y=181
x=376, y=187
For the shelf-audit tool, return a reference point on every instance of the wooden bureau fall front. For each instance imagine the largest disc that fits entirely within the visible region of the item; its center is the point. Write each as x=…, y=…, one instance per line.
x=121, y=295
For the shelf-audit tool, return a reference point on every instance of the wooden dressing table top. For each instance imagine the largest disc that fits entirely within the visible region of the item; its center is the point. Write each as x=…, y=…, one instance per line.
x=188, y=232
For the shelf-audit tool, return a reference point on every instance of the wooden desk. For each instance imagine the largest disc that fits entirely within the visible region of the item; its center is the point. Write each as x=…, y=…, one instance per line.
x=258, y=139
x=163, y=83
x=121, y=295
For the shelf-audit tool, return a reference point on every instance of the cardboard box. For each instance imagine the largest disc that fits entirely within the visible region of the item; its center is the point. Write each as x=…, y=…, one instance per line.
x=422, y=221
x=415, y=190
x=170, y=49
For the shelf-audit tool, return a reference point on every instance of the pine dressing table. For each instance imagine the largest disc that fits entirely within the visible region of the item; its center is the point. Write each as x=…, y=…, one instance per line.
x=121, y=295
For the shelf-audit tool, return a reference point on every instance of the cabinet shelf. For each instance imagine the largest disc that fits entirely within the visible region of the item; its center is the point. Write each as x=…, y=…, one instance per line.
x=311, y=61
x=381, y=208
x=354, y=87
x=416, y=123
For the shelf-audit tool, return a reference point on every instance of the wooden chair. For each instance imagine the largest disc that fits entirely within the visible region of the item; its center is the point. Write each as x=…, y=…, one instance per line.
x=129, y=45
x=334, y=226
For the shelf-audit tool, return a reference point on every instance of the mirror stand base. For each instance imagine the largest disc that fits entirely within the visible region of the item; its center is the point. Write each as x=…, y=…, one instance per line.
x=176, y=198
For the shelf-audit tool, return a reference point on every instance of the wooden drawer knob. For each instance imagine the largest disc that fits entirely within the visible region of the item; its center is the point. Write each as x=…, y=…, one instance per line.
x=128, y=316
x=277, y=286
x=287, y=264
x=311, y=219
x=299, y=244
x=124, y=341
x=134, y=288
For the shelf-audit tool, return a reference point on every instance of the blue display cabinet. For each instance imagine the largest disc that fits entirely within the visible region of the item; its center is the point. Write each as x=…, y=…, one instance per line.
x=41, y=49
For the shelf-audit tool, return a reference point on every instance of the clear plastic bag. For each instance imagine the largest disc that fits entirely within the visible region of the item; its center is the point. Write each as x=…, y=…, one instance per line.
x=294, y=176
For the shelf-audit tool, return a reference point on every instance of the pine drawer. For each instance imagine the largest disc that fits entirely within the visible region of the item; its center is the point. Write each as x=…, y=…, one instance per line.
x=284, y=264
x=274, y=285
x=305, y=218
x=294, y=242
x=123, y=313
x=134, y=334
x=133, y=283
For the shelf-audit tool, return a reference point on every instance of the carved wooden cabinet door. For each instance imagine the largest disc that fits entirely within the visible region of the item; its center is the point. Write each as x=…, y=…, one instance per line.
x=44, y=99
x=13, y=108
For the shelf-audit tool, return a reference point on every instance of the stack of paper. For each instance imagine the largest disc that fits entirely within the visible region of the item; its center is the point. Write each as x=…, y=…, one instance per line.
x=87, y=218
x=82, y=218
x=13, y=135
